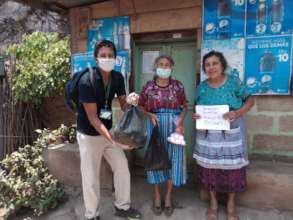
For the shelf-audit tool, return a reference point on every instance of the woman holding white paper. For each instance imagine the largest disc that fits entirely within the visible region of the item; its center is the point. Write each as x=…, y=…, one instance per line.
x=222, y=155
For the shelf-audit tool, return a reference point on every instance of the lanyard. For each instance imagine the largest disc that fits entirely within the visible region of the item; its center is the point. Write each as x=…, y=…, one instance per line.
x=107, y=90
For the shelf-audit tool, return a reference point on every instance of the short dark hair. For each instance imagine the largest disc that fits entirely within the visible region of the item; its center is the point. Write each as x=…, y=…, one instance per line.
x=218, y=54
x=104, y=43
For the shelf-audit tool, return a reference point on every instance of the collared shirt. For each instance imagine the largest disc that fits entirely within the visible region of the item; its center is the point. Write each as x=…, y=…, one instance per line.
x=88, y=94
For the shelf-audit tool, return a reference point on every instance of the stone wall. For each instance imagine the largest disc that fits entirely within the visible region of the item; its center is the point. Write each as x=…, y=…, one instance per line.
x=17, y=19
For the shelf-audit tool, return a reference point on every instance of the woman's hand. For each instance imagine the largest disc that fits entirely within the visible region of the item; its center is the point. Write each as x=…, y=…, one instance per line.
x=154, y=119
x=132, y=99
x=231, y=116
x=179, y=129
x=195, y=116
x=179, y=125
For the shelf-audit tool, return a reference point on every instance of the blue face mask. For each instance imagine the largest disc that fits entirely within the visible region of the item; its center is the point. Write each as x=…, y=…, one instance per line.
x=163, y=73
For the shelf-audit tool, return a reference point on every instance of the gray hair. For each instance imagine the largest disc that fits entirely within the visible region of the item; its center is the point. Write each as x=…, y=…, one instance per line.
x=169, y=58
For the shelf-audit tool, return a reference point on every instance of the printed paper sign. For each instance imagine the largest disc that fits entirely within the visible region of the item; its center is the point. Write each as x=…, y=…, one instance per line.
x=212, y=117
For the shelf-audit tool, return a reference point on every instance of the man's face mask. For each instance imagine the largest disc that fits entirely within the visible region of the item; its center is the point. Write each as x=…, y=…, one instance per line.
x=106, y=64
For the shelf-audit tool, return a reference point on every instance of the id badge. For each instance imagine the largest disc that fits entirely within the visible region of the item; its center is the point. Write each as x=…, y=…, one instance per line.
x=106, y=114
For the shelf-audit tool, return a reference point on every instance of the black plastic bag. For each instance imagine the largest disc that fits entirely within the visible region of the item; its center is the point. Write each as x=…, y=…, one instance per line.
x=156, y=156
x=131, y=129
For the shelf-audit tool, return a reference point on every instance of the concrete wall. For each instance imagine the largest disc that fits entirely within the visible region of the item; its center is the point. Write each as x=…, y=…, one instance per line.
x=270, y=122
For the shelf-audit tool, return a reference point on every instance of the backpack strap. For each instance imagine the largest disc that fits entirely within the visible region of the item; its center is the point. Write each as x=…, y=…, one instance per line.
x=91, y=74
x=92, y=79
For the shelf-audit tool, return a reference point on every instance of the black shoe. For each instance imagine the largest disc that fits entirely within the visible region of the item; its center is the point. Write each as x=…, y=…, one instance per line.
x=131, y=214
x=95, y=218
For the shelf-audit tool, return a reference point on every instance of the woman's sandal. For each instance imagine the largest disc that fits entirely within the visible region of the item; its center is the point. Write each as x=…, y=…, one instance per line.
x=157, y=209
x=232, y=216
x=212, y=214
x=169, y=210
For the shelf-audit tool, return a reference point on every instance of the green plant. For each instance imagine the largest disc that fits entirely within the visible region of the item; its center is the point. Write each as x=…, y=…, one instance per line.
x=57, y=136
x=42, y=66
x=25, y=180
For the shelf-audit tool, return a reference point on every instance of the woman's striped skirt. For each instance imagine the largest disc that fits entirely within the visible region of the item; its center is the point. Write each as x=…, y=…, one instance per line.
x=175, y=152
x=222, y=158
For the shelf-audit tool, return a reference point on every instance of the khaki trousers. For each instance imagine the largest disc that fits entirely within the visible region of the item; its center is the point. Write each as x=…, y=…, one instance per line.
x=92, y=149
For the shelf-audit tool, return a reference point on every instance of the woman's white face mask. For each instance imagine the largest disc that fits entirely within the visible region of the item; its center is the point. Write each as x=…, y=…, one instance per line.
x=163, y=73
x=106, y=64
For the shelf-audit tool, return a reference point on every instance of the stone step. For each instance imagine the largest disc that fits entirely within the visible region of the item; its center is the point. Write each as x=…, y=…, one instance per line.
x=270, y=186
x=63, y=161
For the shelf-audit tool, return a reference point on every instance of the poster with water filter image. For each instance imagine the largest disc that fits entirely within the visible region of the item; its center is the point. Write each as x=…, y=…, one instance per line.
x=115, y=29
x=268, y=63
x=269, y=17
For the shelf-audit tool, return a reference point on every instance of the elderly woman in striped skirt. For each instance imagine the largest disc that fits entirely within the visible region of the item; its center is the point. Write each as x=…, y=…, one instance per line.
x=222, y=155
x=164, y=102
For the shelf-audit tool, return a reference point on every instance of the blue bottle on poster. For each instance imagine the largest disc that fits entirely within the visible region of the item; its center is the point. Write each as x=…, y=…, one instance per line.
x=115, y=35
x=120, y=36
x=126, y=36
x=277, y=15
x=267, y=66
x=224, y=12
x=261, y=17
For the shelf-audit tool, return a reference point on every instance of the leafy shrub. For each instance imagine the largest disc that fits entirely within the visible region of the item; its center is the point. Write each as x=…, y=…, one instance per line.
x=24, y=178
x=42, y=66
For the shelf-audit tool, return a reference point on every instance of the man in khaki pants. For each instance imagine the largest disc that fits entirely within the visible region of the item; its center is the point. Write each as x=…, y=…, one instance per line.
x=95, y=94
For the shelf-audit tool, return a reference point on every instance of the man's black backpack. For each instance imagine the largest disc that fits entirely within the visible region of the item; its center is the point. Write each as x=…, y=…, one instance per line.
x=71, y=88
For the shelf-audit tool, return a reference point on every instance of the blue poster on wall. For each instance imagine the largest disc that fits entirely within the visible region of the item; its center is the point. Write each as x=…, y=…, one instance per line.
x=123, y=62
x=268, y=64
x=82, y=61
x=94, y=37
x=223, y=19
x=269, y=17
x=115, y=29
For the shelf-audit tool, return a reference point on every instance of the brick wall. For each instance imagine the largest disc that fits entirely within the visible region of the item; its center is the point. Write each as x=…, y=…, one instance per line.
x=270, y=126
